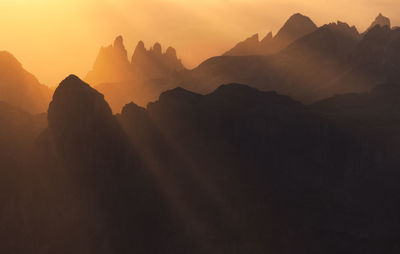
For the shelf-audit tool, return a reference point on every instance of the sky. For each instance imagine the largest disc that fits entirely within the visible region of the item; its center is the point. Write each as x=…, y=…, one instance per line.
x=54, y=38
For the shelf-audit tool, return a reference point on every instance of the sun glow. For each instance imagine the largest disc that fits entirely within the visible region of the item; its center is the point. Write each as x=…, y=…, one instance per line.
x=54, y=38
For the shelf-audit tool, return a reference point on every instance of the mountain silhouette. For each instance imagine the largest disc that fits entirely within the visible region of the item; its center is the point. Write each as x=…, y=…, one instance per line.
x=374, y=61
x=295, y=27
x=237, y=169
x=111, y=64
x=292, y=71
x=239, y=138
x=290, y=146
x=140, y=79
x=381, y=21
x=20, y=88
x=153, y=63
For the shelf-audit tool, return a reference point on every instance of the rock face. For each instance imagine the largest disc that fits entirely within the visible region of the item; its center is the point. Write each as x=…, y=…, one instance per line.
x=20, y=88
x=381, y=21
x=296, y=27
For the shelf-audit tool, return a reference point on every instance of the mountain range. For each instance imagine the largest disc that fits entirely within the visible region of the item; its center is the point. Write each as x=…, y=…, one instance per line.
x=237, y=169
x=293, y=151
x=140, y=79
x=285, y=63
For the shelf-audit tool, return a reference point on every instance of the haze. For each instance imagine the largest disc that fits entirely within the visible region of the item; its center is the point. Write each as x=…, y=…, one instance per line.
x=53, y=38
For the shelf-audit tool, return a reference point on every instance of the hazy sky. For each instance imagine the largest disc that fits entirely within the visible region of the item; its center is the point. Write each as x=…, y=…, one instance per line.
x=53, y=38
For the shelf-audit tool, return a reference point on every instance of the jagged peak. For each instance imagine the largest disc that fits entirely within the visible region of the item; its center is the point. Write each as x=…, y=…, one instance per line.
x=140, y=48
x=156, y=49
x=253, y=38
x=268, y=37
x=295, y=27
x=171, y=53
x=119, y=42
x=380, y=21
x=343, y=27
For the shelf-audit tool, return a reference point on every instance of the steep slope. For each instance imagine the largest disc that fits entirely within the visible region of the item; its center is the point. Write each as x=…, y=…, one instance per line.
x=295, y=27
x=20, y=88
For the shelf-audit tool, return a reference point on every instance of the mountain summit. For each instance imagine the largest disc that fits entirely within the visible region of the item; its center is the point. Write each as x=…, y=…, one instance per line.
x=153, y=63
x=113, y=66
x=295, y=27
x=381, y=21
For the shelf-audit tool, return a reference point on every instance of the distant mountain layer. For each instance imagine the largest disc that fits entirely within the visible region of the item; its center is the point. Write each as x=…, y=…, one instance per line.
x=140, y=78
x=381, y=21
x=20, y=88
x=296, y=27
x=303, y=61
x=333, y=59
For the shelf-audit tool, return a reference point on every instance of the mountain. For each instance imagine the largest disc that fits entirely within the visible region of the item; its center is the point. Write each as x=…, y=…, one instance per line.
x=111, y=64
x=140, y=79
x=99, y=194
x=295, y=27
x=381, y=21
x=20, y=88
x=153, y=63
x=235, y=170
x=231, y=147
x=292, y=71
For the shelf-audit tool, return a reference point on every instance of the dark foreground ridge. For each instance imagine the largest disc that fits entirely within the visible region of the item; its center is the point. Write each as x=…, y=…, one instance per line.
x=237, y=170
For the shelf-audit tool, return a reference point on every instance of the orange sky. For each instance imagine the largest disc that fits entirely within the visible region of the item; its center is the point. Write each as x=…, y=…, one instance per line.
x=53, y=38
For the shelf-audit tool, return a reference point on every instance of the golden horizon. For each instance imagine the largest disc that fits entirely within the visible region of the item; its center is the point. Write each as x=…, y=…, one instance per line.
x=55, y=38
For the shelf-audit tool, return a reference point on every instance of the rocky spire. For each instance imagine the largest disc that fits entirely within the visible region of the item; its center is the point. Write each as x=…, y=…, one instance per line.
x=296, y=27
x=157, y=49
x=381, y=21
x=171, y=53
x=119, y=46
